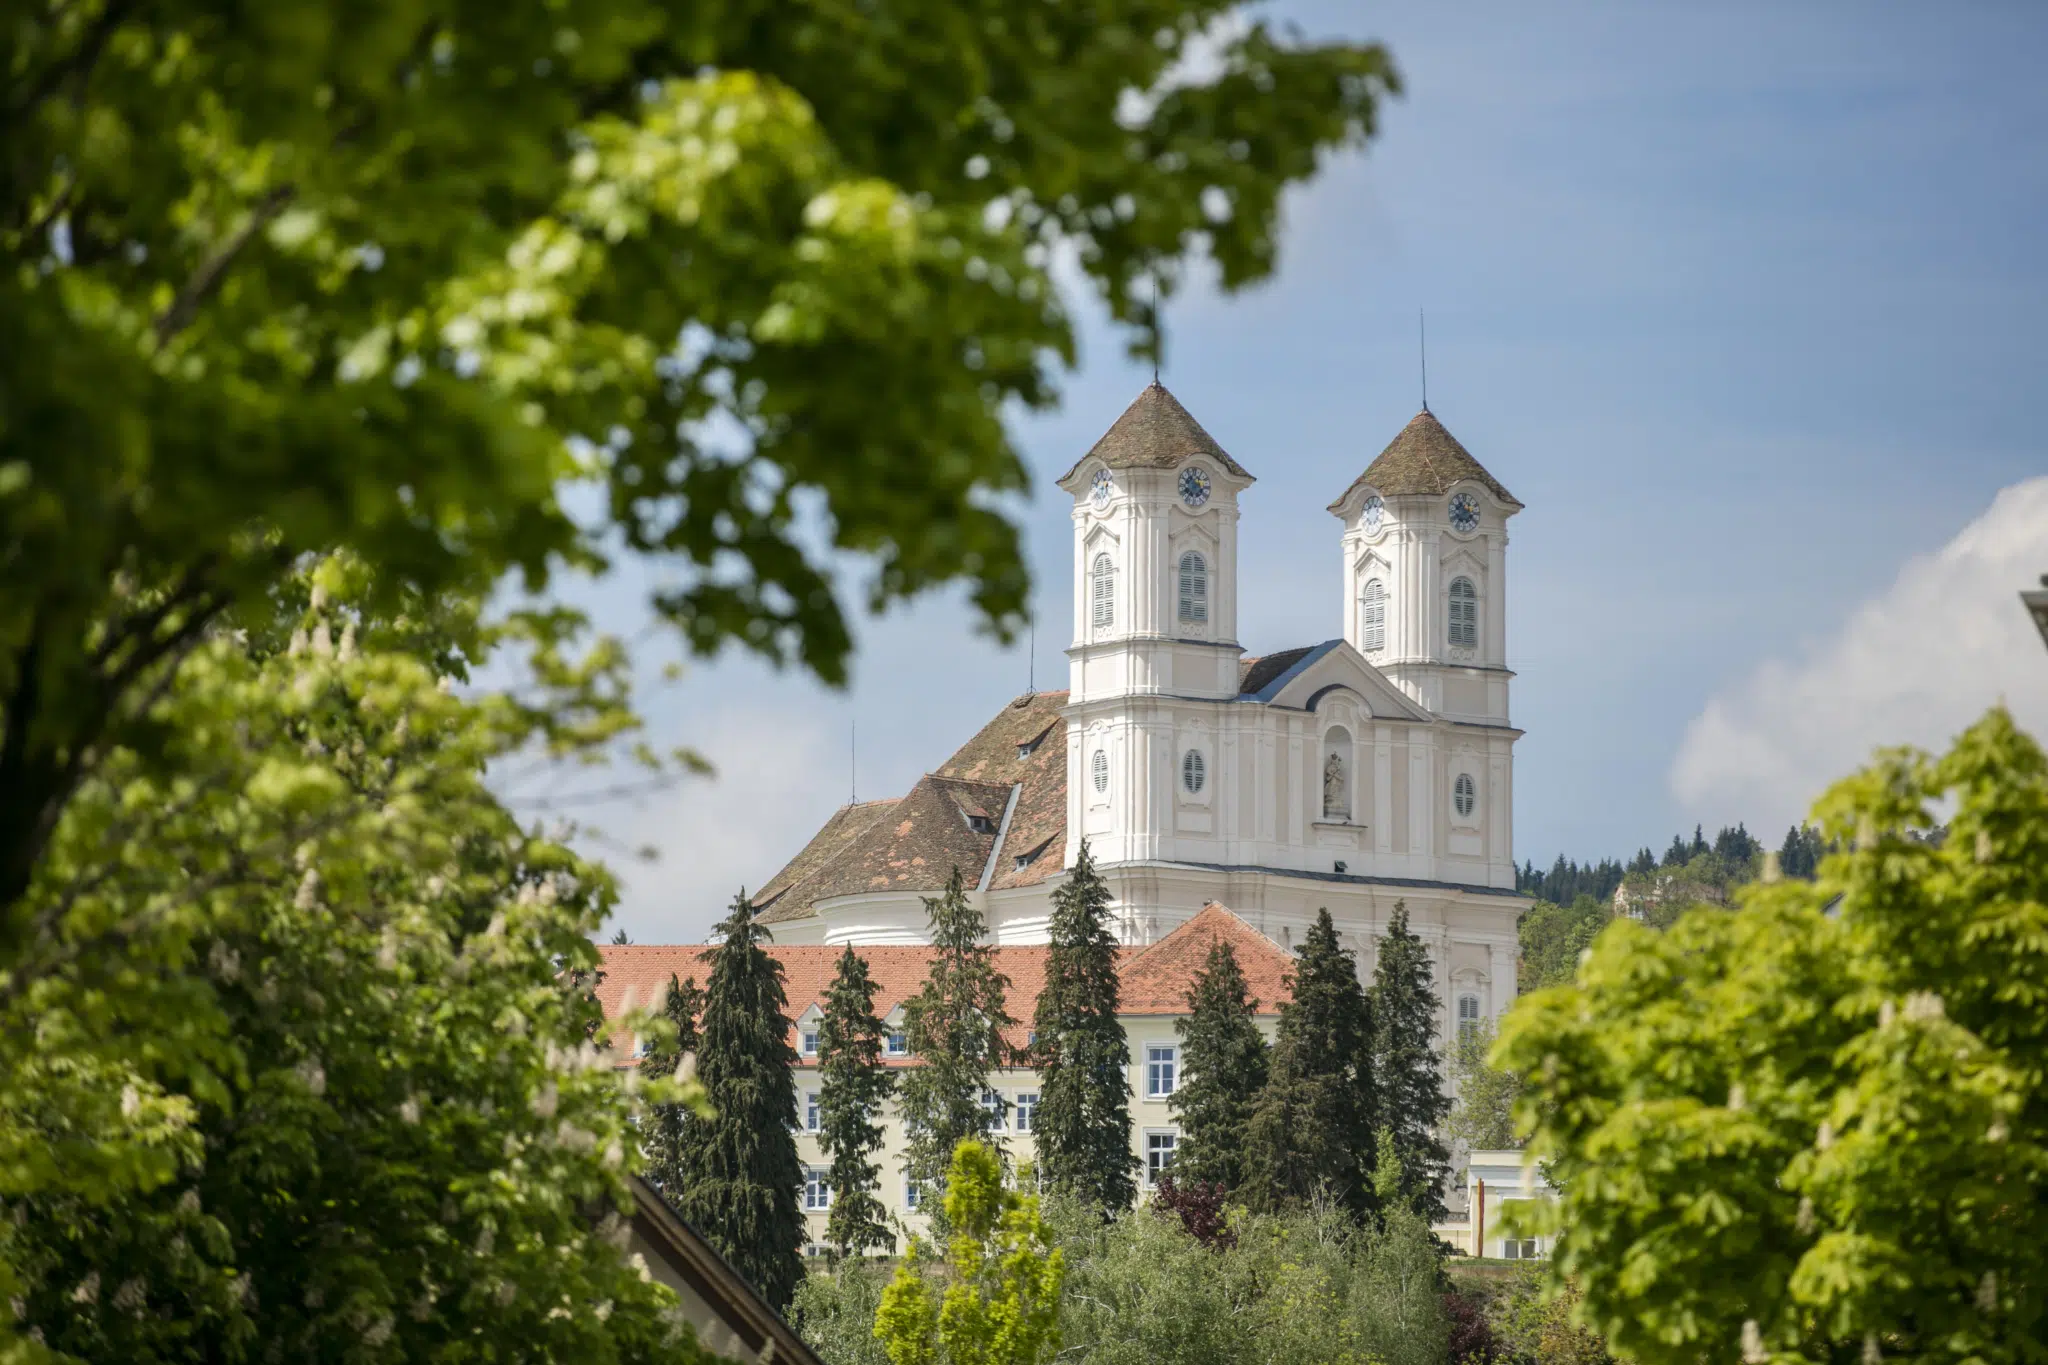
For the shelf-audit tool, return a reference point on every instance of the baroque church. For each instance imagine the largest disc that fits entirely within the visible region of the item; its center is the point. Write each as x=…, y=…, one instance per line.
x=1373, y=768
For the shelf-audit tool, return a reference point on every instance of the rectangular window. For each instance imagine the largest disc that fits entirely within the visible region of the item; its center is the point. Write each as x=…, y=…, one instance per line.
x=810, y=1042
x=992, y=1106
x=1159, y=1071
x=913, y=1191
x=1523, y=1249
x=1027, y=1110
x=1159, y=1155
x=817, y=1193
x=810, y=1111
x=898, y=1044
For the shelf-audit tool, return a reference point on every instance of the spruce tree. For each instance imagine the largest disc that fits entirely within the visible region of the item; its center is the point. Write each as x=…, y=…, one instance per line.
x=1083, y=1124
x=1222, y=1070
x=955, y=1023
x=1406, y=1068
x=852, y=1085
x=673, y=1131
x=1313, y=1127
x=744, y=1180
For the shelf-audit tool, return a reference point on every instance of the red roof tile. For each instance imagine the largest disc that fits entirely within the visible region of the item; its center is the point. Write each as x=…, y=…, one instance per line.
x=1155, y=979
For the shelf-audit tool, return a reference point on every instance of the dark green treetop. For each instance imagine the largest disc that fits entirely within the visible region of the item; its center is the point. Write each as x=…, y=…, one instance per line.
x=1083, y=1124
x=1223, y=1063
x=1313, y=1129
x=955, y=1024
x=853, y=1084
x=673, y=1129
x=1407, y=1072
x=744, y=1176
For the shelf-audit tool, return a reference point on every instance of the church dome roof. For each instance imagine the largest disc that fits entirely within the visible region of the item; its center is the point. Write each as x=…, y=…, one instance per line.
x=1155, y=432
x=1425, y=458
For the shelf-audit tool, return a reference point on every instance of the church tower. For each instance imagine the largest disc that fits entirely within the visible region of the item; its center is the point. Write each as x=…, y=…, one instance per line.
x=1425, y=572
x=1155, y=616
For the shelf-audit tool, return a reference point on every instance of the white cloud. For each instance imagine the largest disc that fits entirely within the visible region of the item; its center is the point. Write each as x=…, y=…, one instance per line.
x=1913, y=665
x=718, y=834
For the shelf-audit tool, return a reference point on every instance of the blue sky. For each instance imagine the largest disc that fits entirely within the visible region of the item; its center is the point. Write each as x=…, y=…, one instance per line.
x=1747, y=304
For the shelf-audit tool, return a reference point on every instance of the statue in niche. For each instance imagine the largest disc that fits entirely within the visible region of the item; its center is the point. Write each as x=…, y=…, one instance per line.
x=1336, y=803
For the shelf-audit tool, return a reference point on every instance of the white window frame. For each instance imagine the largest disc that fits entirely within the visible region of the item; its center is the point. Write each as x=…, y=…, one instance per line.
x=994, y=1106
x=817, y=1189
x=1025, y=1107
x=1194, y=588
x=1098, y=771
x=1102, y=591
x=896, y=1041
x=1372, y=616
x=1162, y=1070
x=1464, y=613
x=812, y=1111
x=1153, y=1146
x=807, y=1039
x=1194, y=772
x=1468, y=1013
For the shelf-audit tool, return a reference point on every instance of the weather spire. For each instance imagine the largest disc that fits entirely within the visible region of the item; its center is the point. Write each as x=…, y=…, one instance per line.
x=1422, y=339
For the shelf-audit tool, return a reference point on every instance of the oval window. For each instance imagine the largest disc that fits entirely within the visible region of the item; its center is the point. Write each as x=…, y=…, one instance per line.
x=1465, y=794
x=1100, y=767
x=1193, y=772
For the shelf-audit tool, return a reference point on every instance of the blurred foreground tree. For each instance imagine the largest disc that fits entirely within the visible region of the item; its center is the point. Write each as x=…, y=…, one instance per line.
x=398, y=276
x=1816, y=1127
x=303, y=1065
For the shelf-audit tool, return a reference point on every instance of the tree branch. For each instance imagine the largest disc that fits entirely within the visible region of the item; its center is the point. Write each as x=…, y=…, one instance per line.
x=207, y=278
x=81, y=62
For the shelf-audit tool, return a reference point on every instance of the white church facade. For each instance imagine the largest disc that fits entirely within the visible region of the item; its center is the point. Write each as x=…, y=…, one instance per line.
x=1371, y=768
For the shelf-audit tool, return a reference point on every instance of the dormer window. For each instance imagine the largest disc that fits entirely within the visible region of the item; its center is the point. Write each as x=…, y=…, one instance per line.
x=897, y=1043
x=808, y=1040
x=1028, y=747
x=980, y=823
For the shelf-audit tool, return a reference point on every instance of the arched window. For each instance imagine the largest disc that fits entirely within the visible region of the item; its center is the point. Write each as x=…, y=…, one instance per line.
x=1465, y=795
x=1468, y=1015
x=1372, y=605
x=1194, y=587
x=1101, y=590
x=1464, y=614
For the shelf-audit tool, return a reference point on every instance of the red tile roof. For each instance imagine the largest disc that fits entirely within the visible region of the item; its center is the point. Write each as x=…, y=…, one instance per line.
x=1155, y=979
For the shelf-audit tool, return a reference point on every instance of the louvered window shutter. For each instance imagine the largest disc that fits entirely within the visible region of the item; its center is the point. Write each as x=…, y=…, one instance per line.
x=1194, y=588
x=1374, y=631
x=1102, y=607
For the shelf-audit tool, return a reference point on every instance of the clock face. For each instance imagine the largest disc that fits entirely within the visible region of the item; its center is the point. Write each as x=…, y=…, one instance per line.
x=1464, y=512
x=1375, y=513
x=1103, y=486
x=1194, y=485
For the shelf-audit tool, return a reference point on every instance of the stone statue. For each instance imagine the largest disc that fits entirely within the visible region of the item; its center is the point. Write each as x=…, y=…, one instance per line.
x=1334, y=803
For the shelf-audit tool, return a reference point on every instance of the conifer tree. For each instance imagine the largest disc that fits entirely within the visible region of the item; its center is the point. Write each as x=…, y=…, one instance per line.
x=1407, y=1071
x=1223, y=1065
x=1313, y=1127
x=955, y=1025
x=852, y=1085
x=672, y=1128
x=744, y=1179
x=1083, y=1124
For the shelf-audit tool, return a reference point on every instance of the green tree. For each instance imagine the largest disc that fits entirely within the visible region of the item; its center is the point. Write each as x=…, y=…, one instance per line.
x=1083, y=1124
x=744, y=1179
x=673, y=1129
x=393, y=277
x=1407, y=1075
x=1483, y=1118
x=1223, y=1060
x=1001, y=1297
x=298, y=1062
x=955, y=1025
x=853, y=1084
x=1555, y=937
x=1312, y=1131
x=1811, y=1128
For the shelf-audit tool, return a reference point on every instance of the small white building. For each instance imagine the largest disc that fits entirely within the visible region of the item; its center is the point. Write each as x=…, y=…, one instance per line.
x=1495, y=1180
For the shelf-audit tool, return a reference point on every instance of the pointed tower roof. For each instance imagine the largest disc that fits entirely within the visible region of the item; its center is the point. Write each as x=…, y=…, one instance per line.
x=1155, y=432
x=1424, y=458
